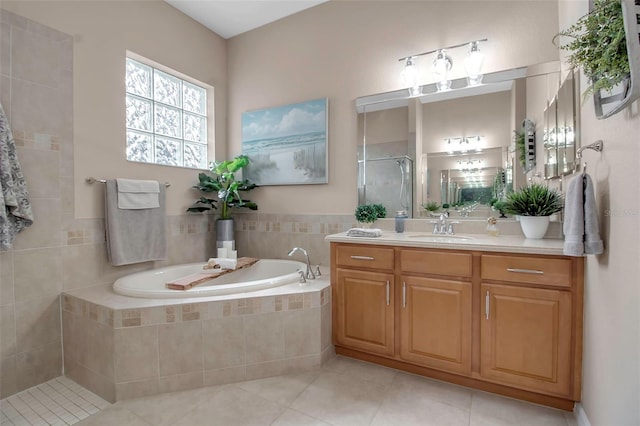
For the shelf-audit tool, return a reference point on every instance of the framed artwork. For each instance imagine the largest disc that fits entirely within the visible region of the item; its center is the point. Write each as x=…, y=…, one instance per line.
x=287, y=145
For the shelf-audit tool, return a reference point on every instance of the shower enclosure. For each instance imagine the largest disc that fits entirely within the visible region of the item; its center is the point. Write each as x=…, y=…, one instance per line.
x=387, y=181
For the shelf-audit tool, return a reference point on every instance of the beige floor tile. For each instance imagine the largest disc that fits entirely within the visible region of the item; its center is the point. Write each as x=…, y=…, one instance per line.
x=446, y=393
x=494, y=410
x=231, y=406
x=409, y=406
x=282, y=389
x=294, y=418
x=341, y=399
x=165, y=409
x=113, y=415
x=361, y=370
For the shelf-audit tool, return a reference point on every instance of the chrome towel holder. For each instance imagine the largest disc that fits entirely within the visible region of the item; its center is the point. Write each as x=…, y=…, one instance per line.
x=94, y=180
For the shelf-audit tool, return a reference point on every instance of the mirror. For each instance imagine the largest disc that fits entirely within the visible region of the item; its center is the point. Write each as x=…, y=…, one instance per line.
x=454, y=147
x=559, y=133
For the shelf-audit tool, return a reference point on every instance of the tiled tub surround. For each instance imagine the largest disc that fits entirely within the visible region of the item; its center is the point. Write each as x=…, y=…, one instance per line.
x=122, y=347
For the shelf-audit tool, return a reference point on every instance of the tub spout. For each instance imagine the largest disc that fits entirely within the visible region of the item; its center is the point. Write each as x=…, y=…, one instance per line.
x=309, y=273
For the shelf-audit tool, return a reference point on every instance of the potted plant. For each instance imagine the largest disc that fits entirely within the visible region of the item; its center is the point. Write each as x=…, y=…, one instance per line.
x=223, y=182
x=599, y=46
x=431, y=206
x=369, y=213
x=533, y=204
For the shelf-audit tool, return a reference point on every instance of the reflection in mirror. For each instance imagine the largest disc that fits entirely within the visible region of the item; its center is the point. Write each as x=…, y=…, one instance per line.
x=447, y=138
x=386, y=160
x=561, y=149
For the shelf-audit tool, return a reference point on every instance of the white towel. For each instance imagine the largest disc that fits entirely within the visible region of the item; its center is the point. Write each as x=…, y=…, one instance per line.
x=364, y=232
x=580, y=227
x=138, y=194
x=15, y=209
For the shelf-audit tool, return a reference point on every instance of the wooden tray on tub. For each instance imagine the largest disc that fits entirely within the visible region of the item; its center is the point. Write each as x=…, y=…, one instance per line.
x=185, y=283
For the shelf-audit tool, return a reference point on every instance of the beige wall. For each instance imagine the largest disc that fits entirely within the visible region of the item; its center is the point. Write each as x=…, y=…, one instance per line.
x=343, y=50
x=102, y=32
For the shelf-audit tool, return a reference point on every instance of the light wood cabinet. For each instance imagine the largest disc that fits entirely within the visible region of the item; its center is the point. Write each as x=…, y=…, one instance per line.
x=526, y=337
x=435, y=323
x=501, y=322
x=364, y=311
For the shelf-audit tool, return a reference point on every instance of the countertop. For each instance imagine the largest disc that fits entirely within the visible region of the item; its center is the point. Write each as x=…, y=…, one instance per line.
x=483, y=242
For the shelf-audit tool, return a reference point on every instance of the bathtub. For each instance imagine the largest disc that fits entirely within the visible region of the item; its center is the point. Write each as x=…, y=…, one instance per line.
x=267, y=273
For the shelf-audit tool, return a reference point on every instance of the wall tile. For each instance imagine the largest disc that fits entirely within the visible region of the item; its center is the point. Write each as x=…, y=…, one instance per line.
x=180, y=347
x=82, y=265
x=303, y=363
x=136, y=353
x=5, y=52
x=302, y=332
x=45, y=231
x=90, y=380
x=223, y=343
x=7, y=331
x=35, y=107
x=38, y=366
x=5, y=95
x=37, y=323
x=137, y=389
x=265, y=369
x=35, y=57
x=8, y=377
x=225, y=375
x=67, y=196
x=264, y=337
x=75, y=337
x=37, y=272
x=326, y=337
x=42, y=169
x=6, y=278
x=100, y=349
x=181, y=382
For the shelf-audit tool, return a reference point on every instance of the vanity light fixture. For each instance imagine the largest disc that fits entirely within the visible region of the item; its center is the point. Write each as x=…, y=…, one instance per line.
x=442, y=66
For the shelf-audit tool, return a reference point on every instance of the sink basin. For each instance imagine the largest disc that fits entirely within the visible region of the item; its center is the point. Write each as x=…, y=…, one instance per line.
x=443, y=238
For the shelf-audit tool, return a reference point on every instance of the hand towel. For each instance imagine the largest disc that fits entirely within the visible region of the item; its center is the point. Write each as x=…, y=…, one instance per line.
x=580, y=227
x=592, y=241
x=15, y=209
x=134, y=236
x=364, y=232
x=573, y=226
x=138, y=194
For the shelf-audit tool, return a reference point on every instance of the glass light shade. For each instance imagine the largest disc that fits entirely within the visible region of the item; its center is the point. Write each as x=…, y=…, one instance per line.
x=473, y=64
x=441, y=67
x=410, y=73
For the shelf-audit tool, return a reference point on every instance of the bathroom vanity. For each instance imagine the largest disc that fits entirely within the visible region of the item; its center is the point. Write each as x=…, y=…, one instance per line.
x=500, y=314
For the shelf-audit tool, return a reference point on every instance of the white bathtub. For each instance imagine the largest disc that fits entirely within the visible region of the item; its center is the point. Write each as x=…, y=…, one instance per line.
x=267, y=273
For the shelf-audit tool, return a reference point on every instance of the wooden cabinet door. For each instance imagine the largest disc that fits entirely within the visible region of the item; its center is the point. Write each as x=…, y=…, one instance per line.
x=526, y=337
x=364, y=315
x=435, y=323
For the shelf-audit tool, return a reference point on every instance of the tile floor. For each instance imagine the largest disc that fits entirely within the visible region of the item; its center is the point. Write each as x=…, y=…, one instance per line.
x=344, y=392
x=59, y=401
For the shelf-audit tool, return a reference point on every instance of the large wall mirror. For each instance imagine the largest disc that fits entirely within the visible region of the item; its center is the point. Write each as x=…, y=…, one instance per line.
x=457, y=148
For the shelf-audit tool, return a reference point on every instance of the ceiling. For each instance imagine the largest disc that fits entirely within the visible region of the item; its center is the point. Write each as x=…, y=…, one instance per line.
x=229, y=18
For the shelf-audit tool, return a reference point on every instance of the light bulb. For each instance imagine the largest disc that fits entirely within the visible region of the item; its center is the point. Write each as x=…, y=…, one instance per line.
x=441, y=66
x=410, y=73
x=473, y=64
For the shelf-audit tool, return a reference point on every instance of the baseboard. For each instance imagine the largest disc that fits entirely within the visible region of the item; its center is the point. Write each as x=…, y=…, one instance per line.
x=581, y=415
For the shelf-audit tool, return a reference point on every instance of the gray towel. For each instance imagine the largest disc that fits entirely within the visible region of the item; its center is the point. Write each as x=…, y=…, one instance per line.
x=134, y=236
x=15, y=209
x=581, y=233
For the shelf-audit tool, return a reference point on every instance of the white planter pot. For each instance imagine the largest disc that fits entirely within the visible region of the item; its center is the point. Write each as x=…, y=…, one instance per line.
x=534, y=227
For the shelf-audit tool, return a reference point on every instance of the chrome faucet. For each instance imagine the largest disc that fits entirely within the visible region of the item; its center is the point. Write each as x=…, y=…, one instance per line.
x=442, y=227
x=309, y=274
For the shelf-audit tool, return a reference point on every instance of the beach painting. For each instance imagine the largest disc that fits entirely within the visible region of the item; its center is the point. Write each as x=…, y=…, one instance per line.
x=287, y=145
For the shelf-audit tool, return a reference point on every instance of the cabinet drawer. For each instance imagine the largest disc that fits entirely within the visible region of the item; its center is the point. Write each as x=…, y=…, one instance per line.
x=530, y=270
x=364, y=257
x=438, y=263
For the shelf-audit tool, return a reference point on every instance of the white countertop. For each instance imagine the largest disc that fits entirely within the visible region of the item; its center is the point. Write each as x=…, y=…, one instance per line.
x=501, y=243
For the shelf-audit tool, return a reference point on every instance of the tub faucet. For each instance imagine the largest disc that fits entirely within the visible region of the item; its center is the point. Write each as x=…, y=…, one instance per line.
x=309, y=274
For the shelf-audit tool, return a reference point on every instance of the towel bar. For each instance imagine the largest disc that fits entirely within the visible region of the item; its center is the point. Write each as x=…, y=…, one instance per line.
x=94, y=180
x=597, y=146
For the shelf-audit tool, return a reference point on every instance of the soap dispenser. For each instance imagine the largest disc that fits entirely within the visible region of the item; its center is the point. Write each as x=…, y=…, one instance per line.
x=492, y=227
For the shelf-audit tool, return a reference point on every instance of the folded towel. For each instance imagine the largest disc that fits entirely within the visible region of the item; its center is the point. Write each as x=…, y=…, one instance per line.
x=580, y=227
x=364, y=232
x=15, y=209
x=134, y=236
x=138, y=194
x=221, y=263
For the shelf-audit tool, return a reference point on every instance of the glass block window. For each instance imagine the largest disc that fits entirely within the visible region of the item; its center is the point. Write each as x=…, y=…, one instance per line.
x=166, y=118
